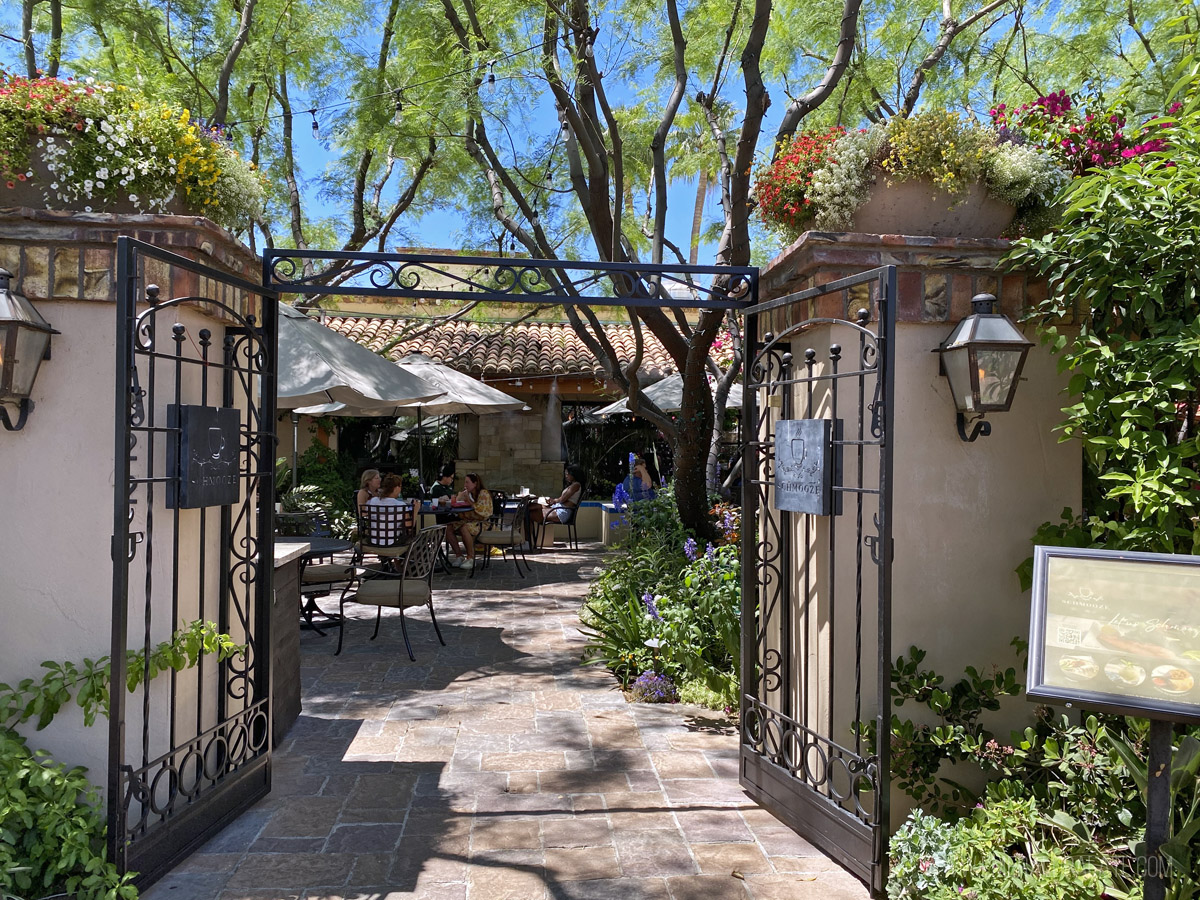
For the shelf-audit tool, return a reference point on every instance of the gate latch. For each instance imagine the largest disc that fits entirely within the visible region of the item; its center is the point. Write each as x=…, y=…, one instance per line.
x=135, y=538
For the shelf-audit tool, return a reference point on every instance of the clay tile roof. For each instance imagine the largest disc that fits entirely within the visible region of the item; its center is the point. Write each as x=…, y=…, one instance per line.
x=495, y=349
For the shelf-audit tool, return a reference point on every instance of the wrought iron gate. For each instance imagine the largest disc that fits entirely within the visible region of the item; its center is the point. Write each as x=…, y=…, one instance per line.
x=816, y=614
x=195, y=413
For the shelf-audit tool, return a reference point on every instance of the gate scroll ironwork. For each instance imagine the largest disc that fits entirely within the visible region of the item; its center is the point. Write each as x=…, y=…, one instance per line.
x=189, y=750
x=816, y=611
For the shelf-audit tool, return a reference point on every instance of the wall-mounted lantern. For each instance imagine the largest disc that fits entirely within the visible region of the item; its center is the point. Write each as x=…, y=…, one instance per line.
x=24, y=343
x=982, y=359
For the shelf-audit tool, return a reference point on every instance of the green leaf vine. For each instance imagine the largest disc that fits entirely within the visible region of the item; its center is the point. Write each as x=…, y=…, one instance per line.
x=89, y=682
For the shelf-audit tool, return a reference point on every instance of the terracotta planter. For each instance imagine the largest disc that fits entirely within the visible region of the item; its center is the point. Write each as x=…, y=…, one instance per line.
x=922, y=208
x=35, y=193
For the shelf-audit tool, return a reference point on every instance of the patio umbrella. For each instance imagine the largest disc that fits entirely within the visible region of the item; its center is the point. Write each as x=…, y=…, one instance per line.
x=460, y=393
x=667, y=395
x=317, y=365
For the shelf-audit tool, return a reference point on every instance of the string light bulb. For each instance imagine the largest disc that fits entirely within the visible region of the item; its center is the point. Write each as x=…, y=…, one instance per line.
x=316, y=129
x=399, y=98
x=491, y=75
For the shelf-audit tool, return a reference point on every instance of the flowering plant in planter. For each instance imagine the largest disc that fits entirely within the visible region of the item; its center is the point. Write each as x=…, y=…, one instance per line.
x=86, y=146
x=935, y=147
x=1097, y=136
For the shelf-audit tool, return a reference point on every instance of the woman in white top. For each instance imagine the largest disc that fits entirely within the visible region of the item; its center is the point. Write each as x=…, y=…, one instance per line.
x=562, y=508
x=389, y=495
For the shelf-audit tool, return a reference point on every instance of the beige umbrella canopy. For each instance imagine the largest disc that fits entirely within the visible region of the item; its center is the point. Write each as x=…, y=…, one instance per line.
x=667, y=395
x=460, y=394
x=317, y=365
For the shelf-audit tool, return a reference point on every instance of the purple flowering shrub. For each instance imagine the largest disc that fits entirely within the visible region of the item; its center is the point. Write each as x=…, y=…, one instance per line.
x=664, y=603
x=651, y=687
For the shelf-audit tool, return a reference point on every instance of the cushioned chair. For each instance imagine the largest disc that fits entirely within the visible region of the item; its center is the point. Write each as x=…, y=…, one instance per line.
x=508, y=535
x=412, y=587
x=386, y=530
x=320, y=581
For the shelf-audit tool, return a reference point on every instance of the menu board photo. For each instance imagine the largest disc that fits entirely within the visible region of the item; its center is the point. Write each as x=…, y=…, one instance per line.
x=1116, y=632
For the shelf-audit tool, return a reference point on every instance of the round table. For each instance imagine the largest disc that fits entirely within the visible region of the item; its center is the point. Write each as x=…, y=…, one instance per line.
x=318, y=548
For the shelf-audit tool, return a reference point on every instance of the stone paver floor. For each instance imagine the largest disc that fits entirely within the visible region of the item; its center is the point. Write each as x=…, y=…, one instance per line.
x=498, y=767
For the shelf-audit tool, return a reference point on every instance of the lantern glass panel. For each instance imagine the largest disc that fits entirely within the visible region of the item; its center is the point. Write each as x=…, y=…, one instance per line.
x=957, y=363
x=21, y=367
x=996, y=328
x=997, y=370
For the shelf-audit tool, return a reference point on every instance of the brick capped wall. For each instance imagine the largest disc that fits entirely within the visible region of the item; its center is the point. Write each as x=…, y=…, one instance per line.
x=936, y=277
x=60, y=255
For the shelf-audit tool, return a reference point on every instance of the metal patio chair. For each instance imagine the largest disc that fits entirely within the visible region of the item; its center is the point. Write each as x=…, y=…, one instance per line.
x=412, y=587
x=508, y=536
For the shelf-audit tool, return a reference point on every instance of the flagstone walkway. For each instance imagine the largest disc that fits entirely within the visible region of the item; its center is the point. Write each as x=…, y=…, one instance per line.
x=498, y=767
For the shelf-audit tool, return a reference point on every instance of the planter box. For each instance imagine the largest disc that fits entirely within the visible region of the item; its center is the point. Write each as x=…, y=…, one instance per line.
x=922, y=208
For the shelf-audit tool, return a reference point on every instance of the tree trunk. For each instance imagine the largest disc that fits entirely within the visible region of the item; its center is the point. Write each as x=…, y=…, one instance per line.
x=691, y=455
x=698, y=216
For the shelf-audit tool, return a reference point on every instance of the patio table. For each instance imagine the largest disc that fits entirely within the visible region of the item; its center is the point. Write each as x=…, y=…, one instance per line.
x=319, y=548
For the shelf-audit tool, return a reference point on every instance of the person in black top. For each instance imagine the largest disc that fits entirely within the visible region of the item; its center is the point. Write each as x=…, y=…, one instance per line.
x=444, y=487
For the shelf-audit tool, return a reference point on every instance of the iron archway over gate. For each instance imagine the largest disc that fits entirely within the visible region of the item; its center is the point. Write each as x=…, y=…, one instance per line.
x=194, y=454
x=816, y=565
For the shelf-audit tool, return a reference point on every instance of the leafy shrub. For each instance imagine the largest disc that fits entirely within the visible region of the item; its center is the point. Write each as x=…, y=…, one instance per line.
x=106, y=142
x=661, y=605
x=1085, y=784
x=1005, y=850
x=701, y=619
x=1116, y=271
x=52, y=827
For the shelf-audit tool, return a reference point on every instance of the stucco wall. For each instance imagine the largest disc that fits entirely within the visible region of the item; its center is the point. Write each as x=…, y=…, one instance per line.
x=57, y=480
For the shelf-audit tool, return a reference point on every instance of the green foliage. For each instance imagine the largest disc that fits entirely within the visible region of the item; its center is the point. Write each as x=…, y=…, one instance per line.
x=1005, y=850
x=651, y=609
x=89, y=682
x=701, y=623
x=1083, y=784
x=1121, y=267
x=948, y=728
x=52, y=828
x=617, y=631
x=329, y=475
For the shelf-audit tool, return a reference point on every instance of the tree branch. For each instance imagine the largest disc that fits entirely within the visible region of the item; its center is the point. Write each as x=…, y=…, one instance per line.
x=802, y=106
x=950, y=29
x=235, y=49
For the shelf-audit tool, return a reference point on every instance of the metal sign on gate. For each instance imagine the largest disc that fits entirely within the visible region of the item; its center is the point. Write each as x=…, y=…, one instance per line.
x=804, y=466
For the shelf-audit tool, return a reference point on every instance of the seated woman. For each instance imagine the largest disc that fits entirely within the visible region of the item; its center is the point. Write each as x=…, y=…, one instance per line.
x=385, y=533
x=368, y=487
x=562, y=508
x=444, y=487
x=639, y=484
x=475, y=504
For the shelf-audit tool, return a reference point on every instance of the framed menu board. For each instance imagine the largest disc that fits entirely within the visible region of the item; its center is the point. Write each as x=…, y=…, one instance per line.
x=1116, y=632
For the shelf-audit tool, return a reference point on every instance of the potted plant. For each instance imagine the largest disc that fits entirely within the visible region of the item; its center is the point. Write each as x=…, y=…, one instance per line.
x=928, y=174
x=94, y=147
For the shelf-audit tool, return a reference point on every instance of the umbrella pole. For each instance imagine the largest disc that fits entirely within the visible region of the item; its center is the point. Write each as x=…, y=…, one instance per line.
x=420, y=451
x=295, y=449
